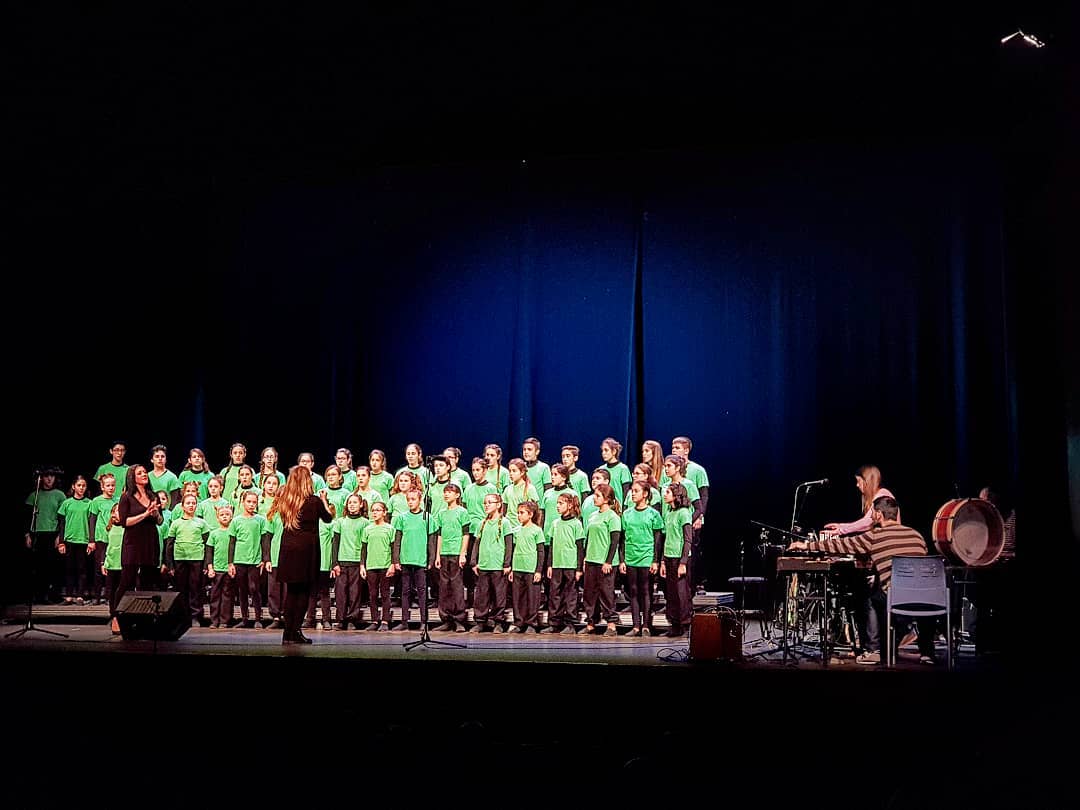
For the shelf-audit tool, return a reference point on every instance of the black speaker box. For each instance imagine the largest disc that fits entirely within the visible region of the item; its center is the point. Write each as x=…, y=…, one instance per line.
x=157, y=615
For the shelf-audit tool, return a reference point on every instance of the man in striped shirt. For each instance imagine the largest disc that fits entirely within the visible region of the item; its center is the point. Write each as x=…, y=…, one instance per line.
x=889, y=538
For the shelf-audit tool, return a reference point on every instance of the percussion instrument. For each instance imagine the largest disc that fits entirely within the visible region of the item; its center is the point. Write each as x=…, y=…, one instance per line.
x=970, y=531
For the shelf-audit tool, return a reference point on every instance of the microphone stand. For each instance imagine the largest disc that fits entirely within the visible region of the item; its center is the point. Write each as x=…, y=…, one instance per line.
x=33, y=574
x=425, y=637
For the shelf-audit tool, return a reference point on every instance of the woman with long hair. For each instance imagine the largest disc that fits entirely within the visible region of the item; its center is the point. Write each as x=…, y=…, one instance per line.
x=300, y=556
x=868, y=482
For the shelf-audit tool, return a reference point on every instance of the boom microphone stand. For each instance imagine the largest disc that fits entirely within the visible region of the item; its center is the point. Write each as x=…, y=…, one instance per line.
x=33, y=573
x=425, y=637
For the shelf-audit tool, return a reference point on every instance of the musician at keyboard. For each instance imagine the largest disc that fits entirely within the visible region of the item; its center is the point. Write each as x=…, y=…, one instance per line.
x=888, y=539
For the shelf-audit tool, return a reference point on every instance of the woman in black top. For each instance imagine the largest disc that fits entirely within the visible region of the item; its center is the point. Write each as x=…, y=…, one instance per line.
x=298, y=563
x=140, y=515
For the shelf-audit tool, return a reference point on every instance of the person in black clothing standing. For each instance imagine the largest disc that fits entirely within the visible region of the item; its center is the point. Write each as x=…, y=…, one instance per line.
x=298, y=563
x=140, y=515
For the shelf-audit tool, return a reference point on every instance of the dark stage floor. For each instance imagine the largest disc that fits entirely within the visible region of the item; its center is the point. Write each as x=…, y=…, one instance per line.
x=230, y=718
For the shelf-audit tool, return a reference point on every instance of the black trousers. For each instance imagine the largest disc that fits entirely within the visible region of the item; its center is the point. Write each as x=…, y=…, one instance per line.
x=490, y=602
x=137, y=577
x=526, y=598
x=562, y=597
x=639, y=585
x=275, y=594
x=221, y=598
x=347, y=592
x=100, y=579
x=599, y=594
x=247, y=585
x=414, y=580
x=451, y=589
x=379, y=593
x=680, y=606
x=320, y=596
x=78, y=570
x=44, y=568
x=297, y=599
x=188, y=580
x=112, y=591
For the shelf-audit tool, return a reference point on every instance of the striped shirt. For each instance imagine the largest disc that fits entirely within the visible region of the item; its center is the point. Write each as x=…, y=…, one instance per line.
x=880, y=544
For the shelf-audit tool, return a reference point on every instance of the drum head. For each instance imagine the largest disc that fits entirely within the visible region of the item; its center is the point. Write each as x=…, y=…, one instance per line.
x=978, y=533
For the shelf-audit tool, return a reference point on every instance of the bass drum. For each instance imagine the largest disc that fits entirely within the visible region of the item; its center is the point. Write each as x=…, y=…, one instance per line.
x=970, y=531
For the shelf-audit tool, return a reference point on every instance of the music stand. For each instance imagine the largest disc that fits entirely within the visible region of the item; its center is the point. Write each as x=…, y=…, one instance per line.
x=33, y=572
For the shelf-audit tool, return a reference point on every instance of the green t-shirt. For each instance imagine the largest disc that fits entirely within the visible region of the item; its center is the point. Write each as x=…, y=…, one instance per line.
x=539, y=474
x=474, y=502
x=384, y=482
x=579, y=482
x=231, y=476
x=492, y=551
x=277, y=528
x=551, y=512
x=207, y=510
x=620, y=474
x=414, y=537
x=694, y=471
x=379, y=539
x=691, y=492
x=516, y=494
x=318, y=483
x=76, y=526
x=638, y=527
x=101, y=508
x=598, y=531
x=349, y=528
x=526, y=540
x=115, y=546
x=452, y=524
x=162, y=530
x=248, y=532
x=564, y=537
x=461, y=478
x=120, y=471
x=199, y=477
x=588, y=509
x=370, y=496
x=348, y=480
x=336, y=498
x=190, y=537
x=673, y=531
x=48, y=506
x=265, y=502
x=166, y=482
x=398, y=504
x=219, y=541
x=436, y=504
x=504, y=477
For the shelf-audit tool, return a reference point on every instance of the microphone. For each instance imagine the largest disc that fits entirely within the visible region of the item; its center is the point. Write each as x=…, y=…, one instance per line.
x=820, y=482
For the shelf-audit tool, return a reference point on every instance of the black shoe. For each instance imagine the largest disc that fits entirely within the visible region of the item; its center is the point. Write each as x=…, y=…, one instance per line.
x=400, y=626
x=301, y=638
x=549, y=629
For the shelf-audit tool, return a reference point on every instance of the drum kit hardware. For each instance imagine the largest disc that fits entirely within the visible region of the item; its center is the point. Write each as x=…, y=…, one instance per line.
x=968, y=532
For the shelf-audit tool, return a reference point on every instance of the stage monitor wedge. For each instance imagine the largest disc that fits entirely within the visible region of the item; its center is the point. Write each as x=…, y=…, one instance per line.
x=159, y=615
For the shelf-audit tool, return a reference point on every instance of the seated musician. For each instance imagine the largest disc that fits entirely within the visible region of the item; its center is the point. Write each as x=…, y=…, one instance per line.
x=887, y=539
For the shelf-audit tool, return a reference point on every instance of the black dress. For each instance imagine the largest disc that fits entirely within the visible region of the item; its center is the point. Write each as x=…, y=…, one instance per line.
x=301, y=554
x=140, y=545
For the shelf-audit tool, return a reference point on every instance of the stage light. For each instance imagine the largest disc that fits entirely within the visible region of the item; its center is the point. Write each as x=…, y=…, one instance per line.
x=1033, y=41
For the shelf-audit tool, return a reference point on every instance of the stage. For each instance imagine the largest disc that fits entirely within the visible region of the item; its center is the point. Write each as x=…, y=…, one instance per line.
x=87, y=628
x=356, y=711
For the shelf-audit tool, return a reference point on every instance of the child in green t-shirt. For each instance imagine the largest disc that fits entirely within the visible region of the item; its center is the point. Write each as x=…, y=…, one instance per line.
x=376, y=546
x=526, y=566
x=73, y=542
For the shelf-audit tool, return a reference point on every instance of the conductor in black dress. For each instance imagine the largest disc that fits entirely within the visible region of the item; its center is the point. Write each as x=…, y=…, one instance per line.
x=140, y=515
x=298, y=563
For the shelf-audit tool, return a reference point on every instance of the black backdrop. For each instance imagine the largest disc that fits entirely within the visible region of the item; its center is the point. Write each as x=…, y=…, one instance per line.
x=808, y=252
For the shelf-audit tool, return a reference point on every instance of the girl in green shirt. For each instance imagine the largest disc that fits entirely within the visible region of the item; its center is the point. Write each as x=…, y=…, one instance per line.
x=618, y=472
x=73, y=542
x=678, y=536
x=603, y=535
x=229, y=474
x=376, y=546
x=567, y=545
x=528, y=561
x=491, y=563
